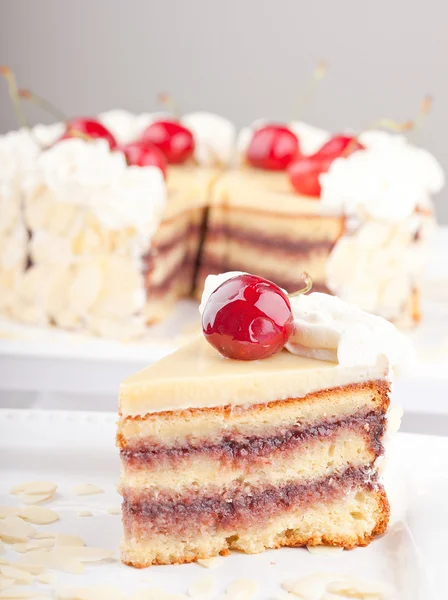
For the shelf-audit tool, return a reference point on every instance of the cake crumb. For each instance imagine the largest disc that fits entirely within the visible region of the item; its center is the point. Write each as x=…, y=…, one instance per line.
x=85, y=513
x=86, y=489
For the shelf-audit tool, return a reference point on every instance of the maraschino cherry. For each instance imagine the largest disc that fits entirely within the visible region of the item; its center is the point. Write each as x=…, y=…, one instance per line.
x=144, y=154
x=304, y=171
x=272, y=147
x=247, y=318
x=173, y=139
x=88, y=129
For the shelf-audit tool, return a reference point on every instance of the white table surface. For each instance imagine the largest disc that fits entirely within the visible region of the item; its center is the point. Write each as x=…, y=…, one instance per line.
x=51, y=369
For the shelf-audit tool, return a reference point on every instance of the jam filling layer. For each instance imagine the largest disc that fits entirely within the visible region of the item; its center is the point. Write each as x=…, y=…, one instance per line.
x=234, y=448
x=241, y=506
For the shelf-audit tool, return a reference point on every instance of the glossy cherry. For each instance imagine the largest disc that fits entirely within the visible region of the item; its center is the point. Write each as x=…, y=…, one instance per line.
x=88, y=129
x=173, y=139
x=340, y=145
x=247, y=318
x=304, y=174
x=144, y=154
x=272, y=147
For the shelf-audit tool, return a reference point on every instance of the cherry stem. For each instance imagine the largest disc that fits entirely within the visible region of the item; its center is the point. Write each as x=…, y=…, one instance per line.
x=389, y=124
x=43, y=103
x=319, y=73
x=308, y=285
x=14, y=95
x=169, y=102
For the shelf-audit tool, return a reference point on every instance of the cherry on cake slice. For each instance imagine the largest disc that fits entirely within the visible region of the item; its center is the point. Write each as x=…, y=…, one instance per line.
x=264, y=432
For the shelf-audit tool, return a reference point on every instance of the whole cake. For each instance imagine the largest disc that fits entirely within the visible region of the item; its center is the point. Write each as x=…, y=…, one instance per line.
x=222, y=450
x=85, y=208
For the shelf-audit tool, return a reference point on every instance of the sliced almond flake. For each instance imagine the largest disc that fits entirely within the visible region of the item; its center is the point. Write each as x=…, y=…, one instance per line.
x=95, y=592
x=114, y=510
x=33, y=569
x=63, y=539
x=34, y=487
x=30, y=499
x=4, y=561
x=209, y=563
x=18, y=575
x=358, y=589
x=44, y=535
x=7, y=511
x=6, y=583
x=13, y=529
x=242, y=589
x=52, y=560
x=325, y=550
x=202, y=589
x=47, y=577
x=157, y=594
x=2, y=547
x=312, y=586
x=85, y=513
x=86, y=489
x=38, y=515
x=33, y=545
x=15, y=593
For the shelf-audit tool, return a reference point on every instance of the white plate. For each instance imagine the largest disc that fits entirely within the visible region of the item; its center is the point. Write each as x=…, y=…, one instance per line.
x=71, y=448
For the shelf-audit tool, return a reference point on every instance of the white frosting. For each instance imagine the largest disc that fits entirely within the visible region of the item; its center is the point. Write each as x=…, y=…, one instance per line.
x=126, y=126
x=47, y=135
x=88, y=174
x=327, y=328
x=310, y=138
x=214, y=138
x=386, y=181
x=18, y=152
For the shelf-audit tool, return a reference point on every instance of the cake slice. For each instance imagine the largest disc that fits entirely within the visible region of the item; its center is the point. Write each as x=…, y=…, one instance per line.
x=220, y=454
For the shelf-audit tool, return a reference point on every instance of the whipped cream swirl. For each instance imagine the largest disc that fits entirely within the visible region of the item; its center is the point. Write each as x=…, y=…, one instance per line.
x=214, y=138
x=90, y=175
x=387, y=181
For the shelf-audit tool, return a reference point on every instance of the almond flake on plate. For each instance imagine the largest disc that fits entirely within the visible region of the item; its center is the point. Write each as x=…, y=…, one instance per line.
x=95, y=592
x=47, y=577
x=6, y=583
x=7, y=511
x=86, y=489
x=34, y=487
x=85, y=513
x=17, y=593
x=18, y=575
x=44, y=535
x=114, y=510
x=202, y=589
x=13, y=529
x=2, y=547
x=242, y=589
x=33, y=569
x=33, y=544
x=30, y=499
x=66, y=558
x=64, y=539
x=209, y=563
x=361, y=590
x=39, y=515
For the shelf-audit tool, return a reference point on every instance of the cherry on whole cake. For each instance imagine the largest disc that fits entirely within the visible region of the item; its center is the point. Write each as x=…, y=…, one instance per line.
x=272, y=148
x=89, y=129
x=340, y=145
x=142, y=153
x=174, y=140
x=247, y=318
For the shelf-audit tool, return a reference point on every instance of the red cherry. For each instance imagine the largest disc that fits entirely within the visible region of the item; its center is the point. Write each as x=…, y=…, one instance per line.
x=144, y=154
x=247, y=318
x=304, y=174
x=173, y=139
x=340, y=145
x=90, y=129
x=272, y=147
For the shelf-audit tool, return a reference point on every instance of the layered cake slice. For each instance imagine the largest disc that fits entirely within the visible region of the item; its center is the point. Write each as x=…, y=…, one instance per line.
x=234, y=442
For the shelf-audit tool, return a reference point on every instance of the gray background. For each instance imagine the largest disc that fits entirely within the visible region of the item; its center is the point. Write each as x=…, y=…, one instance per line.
x=241, y=58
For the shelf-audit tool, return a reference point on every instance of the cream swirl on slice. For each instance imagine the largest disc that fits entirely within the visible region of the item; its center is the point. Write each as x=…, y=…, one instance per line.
x=328, y=328
x=214, y=138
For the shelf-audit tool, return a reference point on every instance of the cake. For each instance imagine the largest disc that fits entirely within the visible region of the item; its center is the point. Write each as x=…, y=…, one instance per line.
x=117, y=245
x=222, y=454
